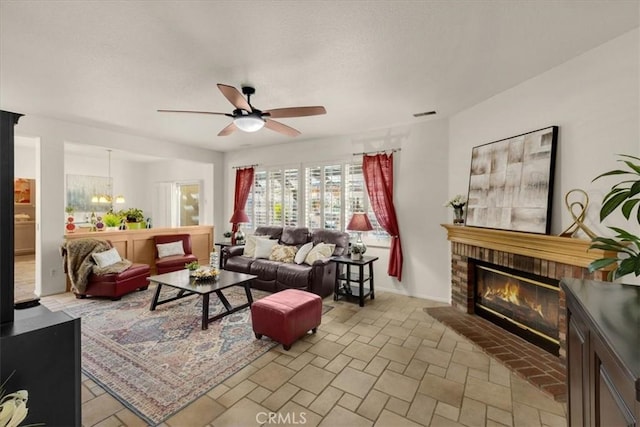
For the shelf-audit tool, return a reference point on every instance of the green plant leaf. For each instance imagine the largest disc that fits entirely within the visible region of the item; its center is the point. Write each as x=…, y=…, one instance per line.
x=601, y=263
x=636, y=168
x=625, y=235
x=635, y=188
x=610, y=173
x=626, y=266
x=612, y=204
x=628, y=206
x=629, y=156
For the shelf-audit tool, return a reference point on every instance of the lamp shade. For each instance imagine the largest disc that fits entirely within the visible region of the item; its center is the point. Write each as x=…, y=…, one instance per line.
x=249, y=123
x=359, y=222
x=239, y=216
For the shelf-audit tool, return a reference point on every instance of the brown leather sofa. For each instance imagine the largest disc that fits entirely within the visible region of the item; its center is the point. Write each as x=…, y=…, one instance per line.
x=274, y=276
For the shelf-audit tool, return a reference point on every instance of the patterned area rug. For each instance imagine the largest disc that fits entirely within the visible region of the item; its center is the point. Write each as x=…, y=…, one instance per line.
x=157, y=362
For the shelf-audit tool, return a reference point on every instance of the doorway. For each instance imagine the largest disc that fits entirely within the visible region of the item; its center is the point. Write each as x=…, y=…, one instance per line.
x=26, y=163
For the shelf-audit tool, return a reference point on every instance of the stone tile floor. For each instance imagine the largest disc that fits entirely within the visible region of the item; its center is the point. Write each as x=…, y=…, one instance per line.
x=386, y=364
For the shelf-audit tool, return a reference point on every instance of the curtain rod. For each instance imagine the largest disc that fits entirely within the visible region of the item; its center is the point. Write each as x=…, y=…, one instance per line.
x=393, y=150
x=245, y=166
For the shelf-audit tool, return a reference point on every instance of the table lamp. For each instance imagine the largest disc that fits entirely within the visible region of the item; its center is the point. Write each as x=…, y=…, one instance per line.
x=239, y=217
x=359, y=222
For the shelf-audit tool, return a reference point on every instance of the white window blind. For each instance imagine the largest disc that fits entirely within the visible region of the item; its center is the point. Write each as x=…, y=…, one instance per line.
x=290, y=194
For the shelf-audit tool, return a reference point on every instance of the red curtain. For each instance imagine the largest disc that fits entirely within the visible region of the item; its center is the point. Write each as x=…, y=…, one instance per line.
x=244, y=181
x=378, y=176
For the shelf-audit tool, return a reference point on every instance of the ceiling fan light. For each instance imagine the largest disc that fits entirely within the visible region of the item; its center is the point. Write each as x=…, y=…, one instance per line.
x=249, y=124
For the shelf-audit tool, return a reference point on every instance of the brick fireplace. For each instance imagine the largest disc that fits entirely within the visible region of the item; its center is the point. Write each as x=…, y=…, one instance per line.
x=545, y=256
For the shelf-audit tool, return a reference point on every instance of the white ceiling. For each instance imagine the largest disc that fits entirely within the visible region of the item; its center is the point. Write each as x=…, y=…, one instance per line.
x=372, y=64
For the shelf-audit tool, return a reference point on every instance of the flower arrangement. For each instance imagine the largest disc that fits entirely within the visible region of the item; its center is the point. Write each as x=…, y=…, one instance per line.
x=457, y=202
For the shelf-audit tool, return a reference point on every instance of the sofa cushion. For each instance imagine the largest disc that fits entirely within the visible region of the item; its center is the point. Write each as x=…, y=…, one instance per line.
x=270, y=231
x=263, y=248
x=106, y=258
x=338, y=238
x=294, y=275
x=239, y=264
x=250, y=245
x=319, y=251
x=263, y=268
x=294, y=236
x=134, y=271
x=170, y=249
x=302, y=253
x=283, y=253
x=176, y=262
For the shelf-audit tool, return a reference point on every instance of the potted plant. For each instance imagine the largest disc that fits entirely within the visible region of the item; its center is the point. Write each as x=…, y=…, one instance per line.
x=457, y=203
x=112, y=220
x=134, y=218
x=625, y=197
x=356, y=252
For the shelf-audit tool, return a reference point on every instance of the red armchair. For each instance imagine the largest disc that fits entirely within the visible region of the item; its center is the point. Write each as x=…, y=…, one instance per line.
x=170, y=263
x=79, y=266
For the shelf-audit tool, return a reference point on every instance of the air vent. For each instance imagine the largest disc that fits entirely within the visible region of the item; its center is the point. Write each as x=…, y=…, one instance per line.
x=426, y=113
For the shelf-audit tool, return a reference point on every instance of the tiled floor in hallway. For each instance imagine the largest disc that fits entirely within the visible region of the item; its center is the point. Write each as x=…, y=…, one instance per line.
x=386, y=364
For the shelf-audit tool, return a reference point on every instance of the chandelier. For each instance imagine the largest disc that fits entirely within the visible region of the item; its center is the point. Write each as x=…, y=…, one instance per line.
x=108, y=198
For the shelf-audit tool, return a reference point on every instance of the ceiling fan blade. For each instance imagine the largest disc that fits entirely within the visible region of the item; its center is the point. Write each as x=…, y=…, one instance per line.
x=196, y=112
x=278, y=113
x=235, y=97
x=282, y=128
x=228, y=130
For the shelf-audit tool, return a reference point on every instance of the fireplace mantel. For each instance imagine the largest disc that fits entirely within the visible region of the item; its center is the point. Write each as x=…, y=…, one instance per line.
x=565, y=250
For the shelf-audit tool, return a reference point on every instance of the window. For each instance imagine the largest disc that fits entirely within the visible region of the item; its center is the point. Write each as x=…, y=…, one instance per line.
x=324, y=197
x=273, y=199
x=314, y=196
x=188, y=203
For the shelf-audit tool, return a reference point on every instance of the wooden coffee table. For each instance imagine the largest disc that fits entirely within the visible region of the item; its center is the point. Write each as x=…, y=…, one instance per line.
x=188, y=286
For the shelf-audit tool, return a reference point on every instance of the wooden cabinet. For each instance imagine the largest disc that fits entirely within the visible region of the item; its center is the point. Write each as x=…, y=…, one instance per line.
x=40, y=351
x=24, y=237
x=24, y=191
x=138, y=245
x=603, y=353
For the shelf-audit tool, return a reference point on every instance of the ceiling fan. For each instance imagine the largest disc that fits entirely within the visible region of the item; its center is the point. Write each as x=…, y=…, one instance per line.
x=249, y=119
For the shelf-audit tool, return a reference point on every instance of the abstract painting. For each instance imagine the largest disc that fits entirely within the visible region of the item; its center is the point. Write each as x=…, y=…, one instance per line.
x=511, y=182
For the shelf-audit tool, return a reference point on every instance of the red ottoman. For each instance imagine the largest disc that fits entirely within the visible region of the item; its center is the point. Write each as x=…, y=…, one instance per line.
x=286, y=315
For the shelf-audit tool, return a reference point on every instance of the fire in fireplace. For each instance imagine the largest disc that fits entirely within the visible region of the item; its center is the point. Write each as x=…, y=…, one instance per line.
x=524, y=304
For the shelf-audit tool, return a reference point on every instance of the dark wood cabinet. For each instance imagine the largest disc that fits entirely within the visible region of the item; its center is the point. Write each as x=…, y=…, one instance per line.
x=40, y=352
x=603, y=353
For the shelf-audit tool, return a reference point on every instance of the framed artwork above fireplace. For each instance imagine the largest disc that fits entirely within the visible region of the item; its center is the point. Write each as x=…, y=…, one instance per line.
x=511, y=182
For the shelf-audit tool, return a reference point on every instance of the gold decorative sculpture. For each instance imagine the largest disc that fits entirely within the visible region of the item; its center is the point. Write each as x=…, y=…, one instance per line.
x=578, y=219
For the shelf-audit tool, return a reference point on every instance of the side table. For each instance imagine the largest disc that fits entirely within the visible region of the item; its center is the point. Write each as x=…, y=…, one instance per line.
x=222, y=245
x=343, y=287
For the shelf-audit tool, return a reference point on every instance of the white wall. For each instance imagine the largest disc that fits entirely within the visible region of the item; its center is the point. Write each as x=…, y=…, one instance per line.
x=25, y=157
x=420, y=189
x=50, y=154
x=593, y=98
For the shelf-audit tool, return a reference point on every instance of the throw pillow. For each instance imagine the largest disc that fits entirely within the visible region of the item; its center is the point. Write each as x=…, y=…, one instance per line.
x=250, y=245
x=170, y=249
x=263, y=248
x=319, y=251
x=106, y=258
x=302, y=253
x=283, y=253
